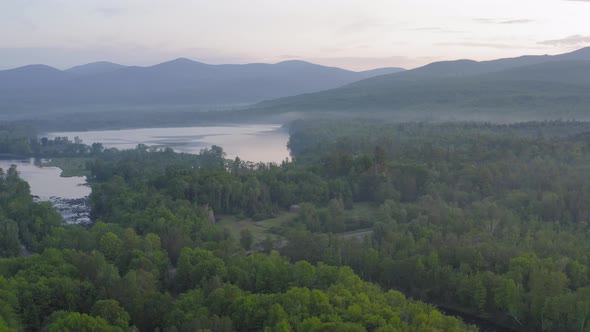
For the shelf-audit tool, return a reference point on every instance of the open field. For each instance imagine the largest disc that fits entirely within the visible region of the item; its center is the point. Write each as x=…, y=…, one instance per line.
x=362, y=213
x=358, y=234
x=260, y=229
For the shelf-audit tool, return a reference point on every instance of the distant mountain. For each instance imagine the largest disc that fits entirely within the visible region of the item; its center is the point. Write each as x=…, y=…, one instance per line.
x=95, y=68
x=463, y=67
x=29, y=77
x=581, y=54
x=381, y=71
x=548, y=84
x=180, y=82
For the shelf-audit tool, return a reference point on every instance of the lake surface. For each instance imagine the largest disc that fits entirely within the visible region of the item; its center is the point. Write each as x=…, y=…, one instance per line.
x=46, y=182
x=256, y=143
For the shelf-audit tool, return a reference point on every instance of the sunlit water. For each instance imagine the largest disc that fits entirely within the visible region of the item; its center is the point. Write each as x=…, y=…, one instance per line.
x=256, y=143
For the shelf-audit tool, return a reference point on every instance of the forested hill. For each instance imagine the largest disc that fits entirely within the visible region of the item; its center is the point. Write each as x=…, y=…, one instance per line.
x=172, y=83
x=532, y=87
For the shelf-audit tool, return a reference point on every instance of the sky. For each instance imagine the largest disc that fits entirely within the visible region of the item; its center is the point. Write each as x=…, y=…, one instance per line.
x=352, y=34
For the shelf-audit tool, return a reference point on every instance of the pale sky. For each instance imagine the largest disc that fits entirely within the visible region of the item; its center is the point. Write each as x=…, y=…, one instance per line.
x=353, y=34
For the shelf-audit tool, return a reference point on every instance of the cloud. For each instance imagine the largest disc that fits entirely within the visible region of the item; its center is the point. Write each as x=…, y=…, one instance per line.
x=486, y=20
x=574, y=40
x=503, y=21
x=502, y=46
x=521, y=21
x=436, y=29
x=426, y=29
x=364, y=25
x=110, y=11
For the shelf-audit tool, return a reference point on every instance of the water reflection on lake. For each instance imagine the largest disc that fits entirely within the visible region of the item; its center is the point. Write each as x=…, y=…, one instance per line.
x=46, y=182
x=256, y=143
x=266, y=143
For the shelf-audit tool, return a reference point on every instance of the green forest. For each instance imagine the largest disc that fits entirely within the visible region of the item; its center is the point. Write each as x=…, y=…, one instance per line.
x=375, y=227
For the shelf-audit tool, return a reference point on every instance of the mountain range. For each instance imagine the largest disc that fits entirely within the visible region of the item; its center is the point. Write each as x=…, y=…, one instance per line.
x=558, y=86
x=177, y=82
x=526, y=87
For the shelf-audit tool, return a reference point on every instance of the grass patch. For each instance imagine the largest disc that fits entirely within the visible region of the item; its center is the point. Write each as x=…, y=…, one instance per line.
x=358, y=234
x=359, y=218
x=70, y=166
x=362, y=210
x=259, y=229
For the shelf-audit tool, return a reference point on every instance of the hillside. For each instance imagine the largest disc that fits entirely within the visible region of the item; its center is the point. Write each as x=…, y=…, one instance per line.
x=553, y=86
x=173, y=83
x=95, y=68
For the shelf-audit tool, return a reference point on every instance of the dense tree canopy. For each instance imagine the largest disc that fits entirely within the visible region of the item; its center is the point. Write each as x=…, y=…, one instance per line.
x=490, y=220
x=153, y=260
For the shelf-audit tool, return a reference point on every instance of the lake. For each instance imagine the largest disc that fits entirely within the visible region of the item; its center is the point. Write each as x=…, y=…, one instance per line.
x=256, y=143
x=46, y=182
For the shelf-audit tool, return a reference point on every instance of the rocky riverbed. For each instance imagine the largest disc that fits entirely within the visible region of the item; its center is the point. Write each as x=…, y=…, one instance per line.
x=73, y=211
